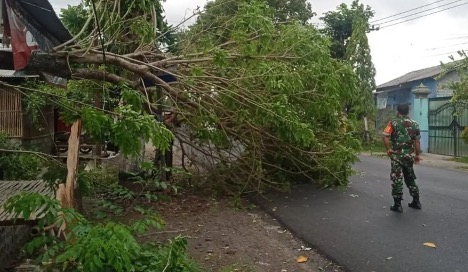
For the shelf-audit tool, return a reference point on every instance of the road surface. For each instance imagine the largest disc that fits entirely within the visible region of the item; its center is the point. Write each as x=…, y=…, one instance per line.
x=356, y=229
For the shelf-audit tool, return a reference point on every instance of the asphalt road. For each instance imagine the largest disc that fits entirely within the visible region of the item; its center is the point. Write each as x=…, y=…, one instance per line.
x=357, y=230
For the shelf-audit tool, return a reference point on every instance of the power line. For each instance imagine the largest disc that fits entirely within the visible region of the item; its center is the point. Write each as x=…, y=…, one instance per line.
x=381, y=19
x=458, y=37
x=420, y=12
x=448, y=46
x=463, y=51
x=423, y=15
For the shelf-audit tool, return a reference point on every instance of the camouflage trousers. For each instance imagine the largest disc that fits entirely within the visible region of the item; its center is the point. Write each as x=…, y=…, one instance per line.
x=402, y=169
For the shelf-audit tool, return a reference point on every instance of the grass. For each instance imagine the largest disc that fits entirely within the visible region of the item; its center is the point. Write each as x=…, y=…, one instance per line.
x=374, y=147
x=461, y=159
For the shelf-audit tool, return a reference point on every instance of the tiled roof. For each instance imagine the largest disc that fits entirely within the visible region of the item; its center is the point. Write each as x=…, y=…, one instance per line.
x=413, y=76
x=13, y=74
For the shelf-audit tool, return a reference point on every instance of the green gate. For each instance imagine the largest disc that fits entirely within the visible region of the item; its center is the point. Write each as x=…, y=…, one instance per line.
x=446, y=123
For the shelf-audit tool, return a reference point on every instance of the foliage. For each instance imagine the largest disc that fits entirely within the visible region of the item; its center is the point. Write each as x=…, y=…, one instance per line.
x=281, y=99
x=461, y=160
x=101, y=178
x=115, y=197
x=383, y=117
x=339, y=25
x=127, y=125
x=464, y=135
x=359, y=56
x=217, y=12
x=264, y=105
x=142, y=126
x=96, y=247
x=348, y=27
x=74, y=18
x=90, y=182
x=15, y=165
x=126, y=25
x=221, y=10
x=459, y=87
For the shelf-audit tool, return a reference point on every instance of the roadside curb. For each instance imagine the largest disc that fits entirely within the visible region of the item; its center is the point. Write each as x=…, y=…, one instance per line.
x=429, y=160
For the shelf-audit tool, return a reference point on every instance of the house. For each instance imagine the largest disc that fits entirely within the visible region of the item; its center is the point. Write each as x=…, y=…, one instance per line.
x=428, y=94
x=398, y=90
x=14, y=120
x=27, y=26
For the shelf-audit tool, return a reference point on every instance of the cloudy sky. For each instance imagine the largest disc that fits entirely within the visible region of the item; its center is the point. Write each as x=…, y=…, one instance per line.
x=397, y=49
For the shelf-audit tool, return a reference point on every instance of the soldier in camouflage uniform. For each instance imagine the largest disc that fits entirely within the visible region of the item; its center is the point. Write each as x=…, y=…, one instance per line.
x=401, y=139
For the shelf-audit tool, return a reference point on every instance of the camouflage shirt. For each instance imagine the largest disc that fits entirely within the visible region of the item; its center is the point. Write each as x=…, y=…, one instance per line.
x=403, y=133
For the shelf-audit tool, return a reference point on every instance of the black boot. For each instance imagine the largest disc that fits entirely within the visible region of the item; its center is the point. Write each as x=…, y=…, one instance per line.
x=415, y=204
x=397, y=206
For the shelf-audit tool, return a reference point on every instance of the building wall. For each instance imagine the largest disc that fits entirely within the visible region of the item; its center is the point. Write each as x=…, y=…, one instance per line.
x=19, y=125
x=442, y=89
x=394, y=98
x=39, y=136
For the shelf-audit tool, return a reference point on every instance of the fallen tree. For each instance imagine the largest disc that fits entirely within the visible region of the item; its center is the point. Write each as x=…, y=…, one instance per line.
x=266, y=104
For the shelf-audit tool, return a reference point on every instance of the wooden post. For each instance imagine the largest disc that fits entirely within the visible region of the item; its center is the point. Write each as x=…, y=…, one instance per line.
x=72, y=165
x=366, y=127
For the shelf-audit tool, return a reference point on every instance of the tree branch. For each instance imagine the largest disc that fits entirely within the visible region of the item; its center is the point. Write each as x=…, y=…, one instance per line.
x=101, y=75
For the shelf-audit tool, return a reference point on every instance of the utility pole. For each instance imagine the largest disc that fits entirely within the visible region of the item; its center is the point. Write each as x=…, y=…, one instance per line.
x=373, y=28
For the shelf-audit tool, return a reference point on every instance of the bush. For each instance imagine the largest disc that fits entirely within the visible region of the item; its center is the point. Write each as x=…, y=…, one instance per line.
x=464, y=135
x=17, y=166
x=97, y=247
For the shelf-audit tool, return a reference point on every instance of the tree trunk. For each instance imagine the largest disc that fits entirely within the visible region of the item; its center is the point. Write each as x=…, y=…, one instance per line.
x=366, y=127
x=69, y=200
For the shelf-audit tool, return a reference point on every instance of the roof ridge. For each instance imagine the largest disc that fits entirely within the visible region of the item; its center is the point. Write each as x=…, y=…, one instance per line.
x=417, y=75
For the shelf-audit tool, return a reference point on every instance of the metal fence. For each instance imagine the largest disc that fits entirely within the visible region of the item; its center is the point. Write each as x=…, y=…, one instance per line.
x=446, y=123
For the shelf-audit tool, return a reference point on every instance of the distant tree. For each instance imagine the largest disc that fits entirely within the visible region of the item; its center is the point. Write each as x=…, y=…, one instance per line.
x=339, y=25
x=347, y=27
x=459, y=87
x=284, y=10
x=358, y=54
x=218, y=12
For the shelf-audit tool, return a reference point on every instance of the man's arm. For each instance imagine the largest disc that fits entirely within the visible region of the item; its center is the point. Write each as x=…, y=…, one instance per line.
x=417, y=150
x=387, y=145
x=386, y=140
x=417, y=144
x=417, y=147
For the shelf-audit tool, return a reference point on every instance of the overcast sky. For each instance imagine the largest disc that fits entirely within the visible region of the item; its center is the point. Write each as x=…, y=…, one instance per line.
x=397, y=49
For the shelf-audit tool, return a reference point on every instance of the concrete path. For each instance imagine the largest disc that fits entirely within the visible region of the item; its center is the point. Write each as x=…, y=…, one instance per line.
x=356, y=229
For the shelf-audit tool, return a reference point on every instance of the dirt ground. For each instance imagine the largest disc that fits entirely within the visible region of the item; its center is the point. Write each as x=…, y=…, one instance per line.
x=222, y=238
x=225, y=239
